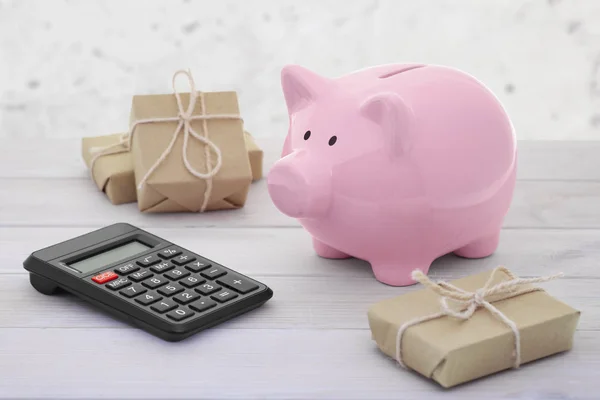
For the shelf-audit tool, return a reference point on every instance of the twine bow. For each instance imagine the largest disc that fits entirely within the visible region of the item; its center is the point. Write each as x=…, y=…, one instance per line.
x=184, y=119
x=469, y=302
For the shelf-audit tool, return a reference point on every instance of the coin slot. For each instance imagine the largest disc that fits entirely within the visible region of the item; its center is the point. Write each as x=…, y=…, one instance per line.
x=399, y=71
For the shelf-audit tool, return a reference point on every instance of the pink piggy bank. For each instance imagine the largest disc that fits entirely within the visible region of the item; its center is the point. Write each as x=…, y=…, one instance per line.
x=396, y=165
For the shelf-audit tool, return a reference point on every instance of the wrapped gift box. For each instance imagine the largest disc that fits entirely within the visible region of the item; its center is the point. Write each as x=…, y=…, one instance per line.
x=113, y=174
x=165, y=182
x=452, y=350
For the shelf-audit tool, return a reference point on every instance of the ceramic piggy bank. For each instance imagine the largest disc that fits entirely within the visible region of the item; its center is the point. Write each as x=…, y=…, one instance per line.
x=396, y=165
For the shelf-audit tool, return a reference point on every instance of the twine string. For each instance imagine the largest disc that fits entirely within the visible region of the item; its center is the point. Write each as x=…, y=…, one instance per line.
x=469, y=302
x=184, y=119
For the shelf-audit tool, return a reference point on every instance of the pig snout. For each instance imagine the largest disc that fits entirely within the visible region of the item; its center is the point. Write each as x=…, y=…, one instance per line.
x=299, y=186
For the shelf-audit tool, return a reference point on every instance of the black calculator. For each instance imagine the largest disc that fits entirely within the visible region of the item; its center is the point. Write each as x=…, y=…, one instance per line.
x=150, y=282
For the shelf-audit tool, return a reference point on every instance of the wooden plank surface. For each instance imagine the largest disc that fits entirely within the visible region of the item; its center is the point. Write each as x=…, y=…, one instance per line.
x=312, y=339
x=288, y=252
x=292, y=269
x=558, y=187
x=259, y=364
x=299, y=303
x=536, y=204
x=538, y=160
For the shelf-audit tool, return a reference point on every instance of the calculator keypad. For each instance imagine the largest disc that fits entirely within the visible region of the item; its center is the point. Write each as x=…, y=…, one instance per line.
x=224, y=296
x=126, y=269
x=171, y=289
x=118, y=284
x=213, y=272
x=162, y=267
x=180, y=314
x=237, y=283
x=148, y=260
x=192, y=281
x=175, y=284
x=155, y=281
x=148, y=298
x=177, y=273
x=105, y=277
x=202, y=304
x=140, y=275
x=208, y=288
x=164, y=305
x=133, y=290
x=186, y=297
x=197, y=266
x=169, y=252
x=183, y=259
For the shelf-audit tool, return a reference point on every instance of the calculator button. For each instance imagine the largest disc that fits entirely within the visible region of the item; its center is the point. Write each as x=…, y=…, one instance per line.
x=140, y=275
x=192, y=281
x=171, y=289
x=118, y=284
x=202, y=305
x=164, y=306
x=237, y=283
x=148, y=298
x=183, y=259
x=207, y=288
x=162, y=267
x=105, y=277
x=133, y=290
x=126, y=269
x=197, y=266
x=224, y=296
x=180, y=314
x=177, y=273
x=186, y=297
x=155, y=281
x=169, y=253
x=148, y=260
x=214, y=272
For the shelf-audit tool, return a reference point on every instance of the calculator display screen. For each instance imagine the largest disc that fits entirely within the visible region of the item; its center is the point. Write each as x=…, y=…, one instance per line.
x=108, y=257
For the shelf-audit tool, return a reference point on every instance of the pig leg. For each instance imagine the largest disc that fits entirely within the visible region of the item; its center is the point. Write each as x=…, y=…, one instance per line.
x=398, y=273
x=481, y=247
x=326, y=251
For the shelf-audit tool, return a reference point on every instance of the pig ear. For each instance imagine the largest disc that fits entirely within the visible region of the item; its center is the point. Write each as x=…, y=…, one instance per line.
x=394, y=117
x=301, y=86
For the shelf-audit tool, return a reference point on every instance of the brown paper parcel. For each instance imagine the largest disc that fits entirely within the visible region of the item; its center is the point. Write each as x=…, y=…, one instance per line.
x=255, y=156
x=112, y=173
x=171, y=187
x=452, y=351
x=115, y=176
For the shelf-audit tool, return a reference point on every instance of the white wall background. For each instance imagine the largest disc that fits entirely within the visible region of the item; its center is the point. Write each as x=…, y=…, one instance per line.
x=69, y=68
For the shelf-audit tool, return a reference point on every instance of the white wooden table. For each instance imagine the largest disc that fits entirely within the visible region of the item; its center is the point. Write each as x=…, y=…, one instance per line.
x=311, y=340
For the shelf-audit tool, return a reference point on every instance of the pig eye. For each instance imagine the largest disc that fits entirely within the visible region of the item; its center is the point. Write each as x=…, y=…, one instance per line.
x=332, y=140
x=306, y=135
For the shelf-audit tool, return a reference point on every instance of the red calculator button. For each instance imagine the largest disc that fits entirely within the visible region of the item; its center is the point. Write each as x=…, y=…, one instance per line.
x=105, y=277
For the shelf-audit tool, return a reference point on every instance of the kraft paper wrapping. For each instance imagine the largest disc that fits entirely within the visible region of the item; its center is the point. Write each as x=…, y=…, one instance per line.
x=255, y=156
x=113, y=173
x=172, y=188
x=451, y=351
